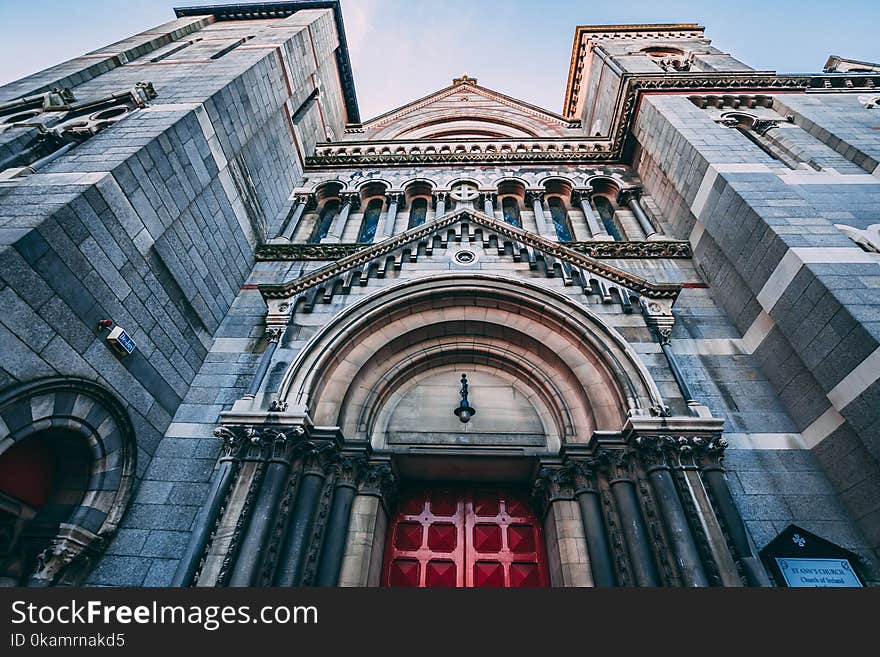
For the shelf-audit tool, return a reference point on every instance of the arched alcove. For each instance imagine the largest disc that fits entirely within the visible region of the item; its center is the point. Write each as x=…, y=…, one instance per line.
x=77, y=444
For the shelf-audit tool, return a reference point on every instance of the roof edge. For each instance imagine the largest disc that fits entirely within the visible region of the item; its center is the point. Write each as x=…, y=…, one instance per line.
x=284, y=9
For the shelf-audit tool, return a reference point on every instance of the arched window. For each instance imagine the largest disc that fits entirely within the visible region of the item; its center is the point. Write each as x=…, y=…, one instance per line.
x=560, y=219
x=418, y=211
x=328, y=213
x=606, y=213
x=510, y=209
x=371, y=221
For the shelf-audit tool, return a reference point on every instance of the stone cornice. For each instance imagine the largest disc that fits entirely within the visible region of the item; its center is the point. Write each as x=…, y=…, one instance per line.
x=630, y=281
x=606, y=149
x=598, y=249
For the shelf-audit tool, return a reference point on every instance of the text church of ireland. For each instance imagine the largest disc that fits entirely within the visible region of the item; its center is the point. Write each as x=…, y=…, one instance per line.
x=251, y=338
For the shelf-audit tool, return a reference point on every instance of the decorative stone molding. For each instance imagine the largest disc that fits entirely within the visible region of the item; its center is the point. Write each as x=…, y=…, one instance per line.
x=678, y=249
x=868, y=238
x=255, y=443
x=289, y=290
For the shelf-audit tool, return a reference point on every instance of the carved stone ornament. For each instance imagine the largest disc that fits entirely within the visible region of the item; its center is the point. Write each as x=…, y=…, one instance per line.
x=378, y=479
x=598, y=249
x=246, y=443
x=868, y=238
x=72, y=550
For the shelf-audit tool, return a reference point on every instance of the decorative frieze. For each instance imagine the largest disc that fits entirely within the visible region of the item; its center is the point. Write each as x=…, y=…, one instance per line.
x=604, y=249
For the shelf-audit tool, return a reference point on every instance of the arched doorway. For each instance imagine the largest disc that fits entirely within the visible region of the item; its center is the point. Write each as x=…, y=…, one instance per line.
x=545, y=376
x=67, y=467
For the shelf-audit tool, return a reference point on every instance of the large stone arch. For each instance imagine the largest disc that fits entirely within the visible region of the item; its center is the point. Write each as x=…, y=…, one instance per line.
x=577, y=371
x=84, y=411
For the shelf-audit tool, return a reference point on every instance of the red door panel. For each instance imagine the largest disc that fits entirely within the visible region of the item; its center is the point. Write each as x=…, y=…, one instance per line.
x=460, y=536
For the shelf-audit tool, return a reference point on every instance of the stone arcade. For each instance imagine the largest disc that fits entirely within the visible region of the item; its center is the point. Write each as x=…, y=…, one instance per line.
x=659, y=309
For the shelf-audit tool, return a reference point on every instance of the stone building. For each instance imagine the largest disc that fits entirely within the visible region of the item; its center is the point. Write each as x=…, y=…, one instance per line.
x=248, y=338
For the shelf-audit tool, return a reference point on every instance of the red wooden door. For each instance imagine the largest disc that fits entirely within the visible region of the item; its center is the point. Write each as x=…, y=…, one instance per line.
x=456, y=536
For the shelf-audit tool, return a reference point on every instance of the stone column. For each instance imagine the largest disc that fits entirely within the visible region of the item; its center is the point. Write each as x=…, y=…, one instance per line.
x=440, y=206
x=362, y=563
x=708, y=458
x=273, y=333
x=583, y=197
x=210, y=511
x=278, y=448
x=290, y=224
x=391, y=216
x=567, y=555
x=337, y=228
x=314, y=457
x=488, y=204
x=540, y=216
x=349, y=470
x=598, y=546
x=633, y=527
x=654, y=451
x=631, y=198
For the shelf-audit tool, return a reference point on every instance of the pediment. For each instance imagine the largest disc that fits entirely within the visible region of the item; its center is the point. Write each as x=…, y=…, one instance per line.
x=399, y=249
x=466, y=110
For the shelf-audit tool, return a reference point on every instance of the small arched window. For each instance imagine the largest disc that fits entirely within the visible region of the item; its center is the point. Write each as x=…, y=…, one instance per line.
x=325, y=220
x=418, y=212
x=560, y=219
x=371, y=221
x=606, y=214
x=510, y=209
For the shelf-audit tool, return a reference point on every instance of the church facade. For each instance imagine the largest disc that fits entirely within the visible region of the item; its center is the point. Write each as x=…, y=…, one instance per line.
x=251, y=339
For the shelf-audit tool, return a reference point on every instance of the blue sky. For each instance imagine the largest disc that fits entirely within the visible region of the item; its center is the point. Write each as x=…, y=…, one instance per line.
x=403, y=49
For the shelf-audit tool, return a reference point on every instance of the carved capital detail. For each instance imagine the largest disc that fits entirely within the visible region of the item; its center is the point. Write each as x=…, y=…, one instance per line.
x=246, y=443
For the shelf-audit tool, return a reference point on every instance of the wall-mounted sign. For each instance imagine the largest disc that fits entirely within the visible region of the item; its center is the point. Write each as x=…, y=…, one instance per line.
x=817, y=572
x=121, y=341
x=798, y=558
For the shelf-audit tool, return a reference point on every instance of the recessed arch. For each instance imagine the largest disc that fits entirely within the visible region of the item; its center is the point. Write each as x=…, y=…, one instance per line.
x=580, y=372
x=82, y=415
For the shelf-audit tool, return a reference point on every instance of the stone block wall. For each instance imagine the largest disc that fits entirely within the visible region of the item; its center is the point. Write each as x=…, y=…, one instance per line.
x=800, y=292
x=152, y=224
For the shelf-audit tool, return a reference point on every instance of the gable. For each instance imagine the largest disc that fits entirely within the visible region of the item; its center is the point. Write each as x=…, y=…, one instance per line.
x=520, y=244
x=466, y=110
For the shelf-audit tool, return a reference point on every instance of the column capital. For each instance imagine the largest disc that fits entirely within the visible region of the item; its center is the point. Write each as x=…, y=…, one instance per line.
x=350, y=198
x=580, y=194
x=254, y=443
x=395, y=197
x=628, y=194
x=306, y=198
x=533, y=195
x=490, y=196
x=378, y=479
x=440, y=196
x=274, y=332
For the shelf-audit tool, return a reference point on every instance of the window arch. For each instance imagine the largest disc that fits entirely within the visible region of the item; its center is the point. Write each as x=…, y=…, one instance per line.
x=510, y=211
x=371, y=221
x=418, y=212
x=606, y=214
x=559, y=215
x=325, y=220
